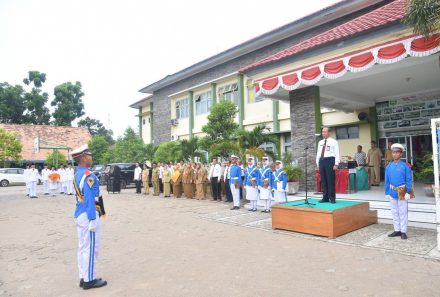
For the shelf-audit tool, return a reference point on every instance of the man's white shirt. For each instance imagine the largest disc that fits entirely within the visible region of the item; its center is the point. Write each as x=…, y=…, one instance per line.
x=138, y=173
x=215, y=171
x=331, y=150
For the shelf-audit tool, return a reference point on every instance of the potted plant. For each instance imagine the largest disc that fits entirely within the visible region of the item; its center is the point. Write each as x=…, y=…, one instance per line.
x=294, y=175
x=424, y=172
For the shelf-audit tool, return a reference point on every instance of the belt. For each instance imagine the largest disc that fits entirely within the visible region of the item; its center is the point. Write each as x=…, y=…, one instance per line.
x=327, y=158
x=397, y=188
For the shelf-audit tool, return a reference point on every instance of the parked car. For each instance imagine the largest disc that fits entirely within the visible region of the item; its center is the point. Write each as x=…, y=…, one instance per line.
x=11, y=176
x=126, y=175
x=98, y=171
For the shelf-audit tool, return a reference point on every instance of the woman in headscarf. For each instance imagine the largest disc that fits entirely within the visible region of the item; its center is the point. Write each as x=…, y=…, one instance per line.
x=146, y=179
x=176, y=179
x=200, y=181
x=279, y=183
x=166, y=180
x=188, y=181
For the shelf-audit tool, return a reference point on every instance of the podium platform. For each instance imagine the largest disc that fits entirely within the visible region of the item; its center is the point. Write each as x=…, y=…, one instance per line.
x=324, y=219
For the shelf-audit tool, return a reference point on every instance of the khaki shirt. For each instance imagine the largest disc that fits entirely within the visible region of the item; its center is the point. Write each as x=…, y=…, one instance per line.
x=166, y=178
x=145, y=175
x=200, y=176
x=155, y=175
x=188, y=176
x=374, y=157
x=388, y=156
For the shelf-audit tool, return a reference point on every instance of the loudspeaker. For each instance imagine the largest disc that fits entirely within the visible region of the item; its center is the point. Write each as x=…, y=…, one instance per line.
x=115, y=171
x=362, y=116
x=114, y=185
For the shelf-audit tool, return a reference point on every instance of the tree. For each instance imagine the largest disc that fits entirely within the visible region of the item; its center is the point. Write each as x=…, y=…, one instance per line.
x=96, y=128
x=220, y=129
x=129, y=148
x=249, y=142
x=167, y=152
x=100, y=149
x=56, y=158
x=35, y=101
x=68, y=103
x=10, y=147
x=423, y=16
x=12, y=105
x=150, y=150
x=187, y=149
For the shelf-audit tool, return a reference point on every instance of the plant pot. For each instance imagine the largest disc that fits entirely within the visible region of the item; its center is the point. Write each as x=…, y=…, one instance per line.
x=292, y=187
x=429, y=189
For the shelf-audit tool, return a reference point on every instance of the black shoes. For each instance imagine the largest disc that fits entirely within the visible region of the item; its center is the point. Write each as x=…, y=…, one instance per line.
x=96, y=283
x=81, y=282
x=235, y=207
x=395, y=233
x=333, y=201
x=266, y=211
x=403, y=236
x=323, y=201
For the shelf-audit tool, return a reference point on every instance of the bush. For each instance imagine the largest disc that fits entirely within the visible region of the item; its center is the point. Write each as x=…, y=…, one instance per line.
x=294, y=173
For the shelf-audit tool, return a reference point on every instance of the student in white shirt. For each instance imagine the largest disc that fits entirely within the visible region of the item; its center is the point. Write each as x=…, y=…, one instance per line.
x=45, y=176
x=70, y=175
x=214, y=177
x=138, y=178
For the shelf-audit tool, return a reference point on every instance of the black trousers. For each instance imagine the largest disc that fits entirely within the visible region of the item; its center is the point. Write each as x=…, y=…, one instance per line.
x=138, y=185
x=228, y=191
x=327, y=178
x=160, y=185
x=241, y=188
x=215, y=185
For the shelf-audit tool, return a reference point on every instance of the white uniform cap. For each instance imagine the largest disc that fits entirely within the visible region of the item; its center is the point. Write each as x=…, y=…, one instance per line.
x=397, y=147
x=278, y=161
x=82, y=150
x=250, y=158
x=265, y=158
x=234, y=157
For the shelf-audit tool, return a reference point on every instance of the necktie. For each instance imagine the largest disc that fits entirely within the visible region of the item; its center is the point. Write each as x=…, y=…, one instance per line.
x=323, y=149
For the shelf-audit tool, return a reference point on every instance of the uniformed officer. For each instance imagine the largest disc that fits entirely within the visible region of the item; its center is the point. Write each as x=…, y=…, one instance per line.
x=279, y=183
x=251, y=181
x=45, y=176
x=265, y=183
x=327, y=160
x=87, y=219
x=235, y=182
x=33, y=179
x=398, y=186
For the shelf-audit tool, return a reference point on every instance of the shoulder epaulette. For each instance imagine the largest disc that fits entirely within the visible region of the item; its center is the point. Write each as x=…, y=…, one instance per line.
x=87, y=172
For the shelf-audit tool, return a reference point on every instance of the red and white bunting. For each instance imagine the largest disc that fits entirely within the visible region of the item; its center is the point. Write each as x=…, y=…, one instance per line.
x=388, y=53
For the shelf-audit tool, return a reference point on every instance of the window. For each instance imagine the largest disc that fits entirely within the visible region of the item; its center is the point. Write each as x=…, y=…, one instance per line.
x=143, y=122
x=349, y=132
x=268, y=146
x=287, y=142
x=203, y=103
x=12, y=171
x=182, y=108
x=229, y=93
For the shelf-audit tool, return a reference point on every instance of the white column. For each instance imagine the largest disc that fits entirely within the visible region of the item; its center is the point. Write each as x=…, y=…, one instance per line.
x=434, y=128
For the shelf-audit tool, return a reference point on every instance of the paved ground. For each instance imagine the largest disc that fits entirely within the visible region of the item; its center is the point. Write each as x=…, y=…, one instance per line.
x=178, y=247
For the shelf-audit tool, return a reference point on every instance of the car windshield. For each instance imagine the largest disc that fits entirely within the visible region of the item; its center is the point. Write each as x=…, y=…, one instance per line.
x=99, y=167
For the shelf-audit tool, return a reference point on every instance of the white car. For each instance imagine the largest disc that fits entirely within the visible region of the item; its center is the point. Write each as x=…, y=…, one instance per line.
x=10, y=176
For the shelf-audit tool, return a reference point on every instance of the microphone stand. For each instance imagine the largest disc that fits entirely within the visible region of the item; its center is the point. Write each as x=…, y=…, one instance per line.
x=306, y=201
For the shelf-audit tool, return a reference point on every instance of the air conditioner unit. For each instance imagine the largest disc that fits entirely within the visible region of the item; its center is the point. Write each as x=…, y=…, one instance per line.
x=174, y=137
x=174, y=122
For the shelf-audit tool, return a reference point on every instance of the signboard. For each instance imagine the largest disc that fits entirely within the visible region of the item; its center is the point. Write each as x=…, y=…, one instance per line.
x=36, y=145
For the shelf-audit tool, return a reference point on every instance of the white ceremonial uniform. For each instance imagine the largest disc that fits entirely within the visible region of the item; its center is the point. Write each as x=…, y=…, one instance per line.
x=26, y=181
x=33, y=178
x=63, y=180
x=53, y=185
x=45, y=176
x=70, y=174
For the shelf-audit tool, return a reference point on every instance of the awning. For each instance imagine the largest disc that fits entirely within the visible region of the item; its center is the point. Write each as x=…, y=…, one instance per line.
x=386, y=53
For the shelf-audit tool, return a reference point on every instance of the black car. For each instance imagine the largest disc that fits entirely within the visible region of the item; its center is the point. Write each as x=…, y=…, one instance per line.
x=126, y=173
x=98, y=171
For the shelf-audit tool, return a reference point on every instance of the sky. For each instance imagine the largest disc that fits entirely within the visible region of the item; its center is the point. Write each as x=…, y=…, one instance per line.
x=115, y=48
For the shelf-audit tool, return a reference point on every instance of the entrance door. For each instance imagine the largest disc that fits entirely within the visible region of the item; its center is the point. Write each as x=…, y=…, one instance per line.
x=416, y=146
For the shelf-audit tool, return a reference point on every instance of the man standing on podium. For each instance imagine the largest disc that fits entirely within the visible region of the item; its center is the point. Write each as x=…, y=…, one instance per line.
x=327, y=160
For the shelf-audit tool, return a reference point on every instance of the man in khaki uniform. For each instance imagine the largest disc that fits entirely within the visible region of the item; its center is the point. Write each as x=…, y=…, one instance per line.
x=146, y=179
x=166, y=180
x=155, y=180
x=374, y=158
x=389, y=154
x=200, y=181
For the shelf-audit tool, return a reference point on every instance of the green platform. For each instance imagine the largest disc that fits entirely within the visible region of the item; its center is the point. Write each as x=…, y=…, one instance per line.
x=324, y=206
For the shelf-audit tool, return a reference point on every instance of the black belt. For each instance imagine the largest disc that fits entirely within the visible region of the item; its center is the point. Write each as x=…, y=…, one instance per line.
x=327, y=158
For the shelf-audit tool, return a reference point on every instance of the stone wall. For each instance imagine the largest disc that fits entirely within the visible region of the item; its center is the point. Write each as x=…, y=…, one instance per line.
x=302, y=118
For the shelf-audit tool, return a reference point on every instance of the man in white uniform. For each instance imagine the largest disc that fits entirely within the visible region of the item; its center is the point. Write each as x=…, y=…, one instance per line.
x=327, y=160
x=26, y=180
x=214, y=177
x=33, y=179
x=266, y=177
x=45, y=176
x=70, y=175
x=63, y=179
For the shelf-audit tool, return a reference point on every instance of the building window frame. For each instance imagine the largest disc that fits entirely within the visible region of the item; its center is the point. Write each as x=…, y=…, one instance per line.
x=182, y=108
x=203, y=103
x=229, y=93
x=347, y=132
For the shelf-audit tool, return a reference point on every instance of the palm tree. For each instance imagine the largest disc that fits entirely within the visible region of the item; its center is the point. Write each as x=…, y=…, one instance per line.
x=149, y=151
x=187, y=149
x=249, y=142
x=423, y=16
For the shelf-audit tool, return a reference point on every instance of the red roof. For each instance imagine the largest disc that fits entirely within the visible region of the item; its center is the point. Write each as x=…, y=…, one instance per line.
x=386, y=14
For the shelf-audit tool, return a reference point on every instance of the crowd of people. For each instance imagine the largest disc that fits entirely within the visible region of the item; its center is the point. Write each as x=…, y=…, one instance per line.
x=229, y=181
x=54, y=180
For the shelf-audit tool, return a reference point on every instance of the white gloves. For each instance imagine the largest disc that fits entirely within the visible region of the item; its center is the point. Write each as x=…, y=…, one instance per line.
x=388, y=197
x=407, y=196
x=92, y=226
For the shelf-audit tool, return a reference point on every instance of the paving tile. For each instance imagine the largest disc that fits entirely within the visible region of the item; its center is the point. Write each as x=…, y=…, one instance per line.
x=262, y=224
x=246, y=218
x=222, y=214
x=420, y=241
x=364, y=235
